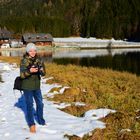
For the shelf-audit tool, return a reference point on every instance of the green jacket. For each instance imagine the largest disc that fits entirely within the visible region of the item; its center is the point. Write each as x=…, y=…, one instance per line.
x=31, y=81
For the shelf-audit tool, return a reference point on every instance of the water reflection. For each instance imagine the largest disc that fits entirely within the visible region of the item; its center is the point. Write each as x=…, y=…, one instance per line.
x=116, y=59
x=127, y=61
x=75, y=53
x=11, y=53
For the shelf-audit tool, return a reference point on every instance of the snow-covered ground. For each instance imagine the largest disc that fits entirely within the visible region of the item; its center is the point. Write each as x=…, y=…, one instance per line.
x=13, y=124
x=93, y=43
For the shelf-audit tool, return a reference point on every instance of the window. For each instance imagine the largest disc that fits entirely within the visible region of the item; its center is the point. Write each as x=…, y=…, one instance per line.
x=37, y=37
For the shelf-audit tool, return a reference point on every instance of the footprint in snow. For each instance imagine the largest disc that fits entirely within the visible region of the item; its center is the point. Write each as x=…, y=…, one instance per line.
x=47, y=130
x=27, y=138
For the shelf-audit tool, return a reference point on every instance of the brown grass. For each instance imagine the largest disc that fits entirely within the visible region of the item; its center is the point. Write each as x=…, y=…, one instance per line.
x=101, y=88
x=105, y=88
x=10, y=59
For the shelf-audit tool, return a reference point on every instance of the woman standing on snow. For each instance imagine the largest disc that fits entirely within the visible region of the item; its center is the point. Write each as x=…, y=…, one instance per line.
x=31, y=69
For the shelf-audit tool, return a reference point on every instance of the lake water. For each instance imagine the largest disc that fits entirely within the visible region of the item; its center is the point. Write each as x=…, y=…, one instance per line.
x=116, y=59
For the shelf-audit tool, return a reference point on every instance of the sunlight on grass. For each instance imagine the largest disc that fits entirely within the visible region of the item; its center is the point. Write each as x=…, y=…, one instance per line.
x=101, y=88
x=10, y=59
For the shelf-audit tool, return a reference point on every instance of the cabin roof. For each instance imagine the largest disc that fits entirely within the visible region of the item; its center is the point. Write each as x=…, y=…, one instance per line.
x=37, y=37
x=5, y=34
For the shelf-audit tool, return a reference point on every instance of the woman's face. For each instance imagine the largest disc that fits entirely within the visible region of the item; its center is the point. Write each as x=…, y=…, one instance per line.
x=32, y=52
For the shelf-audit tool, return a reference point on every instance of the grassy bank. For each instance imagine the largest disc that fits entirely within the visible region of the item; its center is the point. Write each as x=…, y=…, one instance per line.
x=99, y=88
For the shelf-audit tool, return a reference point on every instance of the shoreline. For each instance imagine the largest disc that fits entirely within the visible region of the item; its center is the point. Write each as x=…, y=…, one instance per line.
x=43, y=48
x=84, y=43
x=95, y=45
x=115, y=47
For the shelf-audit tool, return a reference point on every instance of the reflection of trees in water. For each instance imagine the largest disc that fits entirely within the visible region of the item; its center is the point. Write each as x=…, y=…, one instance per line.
x=46, y=56
x=127, y=62
x=66, y=61
x=123, y=62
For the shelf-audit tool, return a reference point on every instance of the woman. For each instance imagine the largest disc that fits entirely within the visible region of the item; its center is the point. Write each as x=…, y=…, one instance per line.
x=31, y=69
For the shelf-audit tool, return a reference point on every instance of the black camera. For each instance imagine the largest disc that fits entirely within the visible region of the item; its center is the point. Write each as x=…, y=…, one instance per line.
x=37, y=66
x=40, y=67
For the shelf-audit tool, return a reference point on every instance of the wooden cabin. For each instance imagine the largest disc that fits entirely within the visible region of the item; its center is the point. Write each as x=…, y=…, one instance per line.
x=40, y=39
x=5, y=36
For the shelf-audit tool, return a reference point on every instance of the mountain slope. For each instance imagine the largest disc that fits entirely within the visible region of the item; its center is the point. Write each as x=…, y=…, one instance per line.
x=99, y=18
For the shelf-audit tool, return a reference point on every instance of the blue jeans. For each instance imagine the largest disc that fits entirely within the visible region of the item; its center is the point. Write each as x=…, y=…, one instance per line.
x=30, y=96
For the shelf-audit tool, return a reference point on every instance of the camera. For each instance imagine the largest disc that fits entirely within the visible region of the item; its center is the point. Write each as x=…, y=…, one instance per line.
x=37, y=66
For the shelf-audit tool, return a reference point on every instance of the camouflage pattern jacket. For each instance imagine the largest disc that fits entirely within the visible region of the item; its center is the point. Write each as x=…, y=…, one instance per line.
x=31, y=81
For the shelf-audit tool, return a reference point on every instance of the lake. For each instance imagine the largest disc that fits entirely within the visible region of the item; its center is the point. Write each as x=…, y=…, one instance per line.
x=116, y=59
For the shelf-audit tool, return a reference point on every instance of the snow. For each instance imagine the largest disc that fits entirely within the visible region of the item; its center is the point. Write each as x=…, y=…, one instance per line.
x=12, y=114
x=80, y=39
x=93, y=43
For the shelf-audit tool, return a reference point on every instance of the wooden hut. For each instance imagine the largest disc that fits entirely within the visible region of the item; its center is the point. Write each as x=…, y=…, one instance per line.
x=5, y=36
x=40, y=39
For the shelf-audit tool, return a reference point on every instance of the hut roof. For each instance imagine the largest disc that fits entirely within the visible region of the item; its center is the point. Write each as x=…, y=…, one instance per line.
x=37, y=37
x=5, y=34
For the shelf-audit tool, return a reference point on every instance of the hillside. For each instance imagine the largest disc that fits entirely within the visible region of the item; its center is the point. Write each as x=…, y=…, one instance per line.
x=97, y=18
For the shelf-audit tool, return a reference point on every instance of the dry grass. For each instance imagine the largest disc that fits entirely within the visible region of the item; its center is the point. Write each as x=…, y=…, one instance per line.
x=105, y=88
x=10, y=59
x=77, y=110
x=99, y=88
